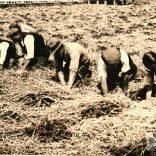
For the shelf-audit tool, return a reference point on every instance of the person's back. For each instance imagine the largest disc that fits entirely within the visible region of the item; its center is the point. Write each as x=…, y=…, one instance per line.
x=74, y=55
x=115, y=66
x=75, y=48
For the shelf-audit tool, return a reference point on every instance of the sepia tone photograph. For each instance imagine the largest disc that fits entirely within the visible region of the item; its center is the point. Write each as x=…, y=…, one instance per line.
x=78, y=77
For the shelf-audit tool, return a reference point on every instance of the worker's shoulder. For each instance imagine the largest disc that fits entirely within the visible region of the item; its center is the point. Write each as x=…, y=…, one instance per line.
x=4, y=44
x=28, y=37
x=124, y=54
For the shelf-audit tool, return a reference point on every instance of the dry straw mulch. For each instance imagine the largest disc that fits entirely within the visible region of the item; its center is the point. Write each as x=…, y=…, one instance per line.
x=39, y=116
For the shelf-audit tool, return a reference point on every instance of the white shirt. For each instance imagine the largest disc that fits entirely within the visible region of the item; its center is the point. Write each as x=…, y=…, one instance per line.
x=75, y=51
x=27, y=28
x=125, y=62
x=102, y=66
x=29, y=42
x=3, y=51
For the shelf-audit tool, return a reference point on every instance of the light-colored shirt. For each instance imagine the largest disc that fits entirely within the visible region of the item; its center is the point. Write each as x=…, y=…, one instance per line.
x=75, y=53
x=3, y=51
x=102, y=67
x=125, y=62
x=27, y=28
x=29, y=42
x=19, y=49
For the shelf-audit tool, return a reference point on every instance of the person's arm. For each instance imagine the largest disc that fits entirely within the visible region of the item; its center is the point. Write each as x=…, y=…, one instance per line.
x=148, y=92
x=149, y=78
x=74, y=64
x=29, y=44
x=59, y=69
x=103, y=76
x=125, y=71
x=104, y=87
x=72, y=76
x=19, y=49
x=25, y=65
x=61, y=78
x=124, y=81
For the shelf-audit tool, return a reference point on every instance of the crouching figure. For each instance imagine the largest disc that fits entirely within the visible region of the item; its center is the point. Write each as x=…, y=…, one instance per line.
x=31, y=46
x=71, y=60
x=149, y=61
x=115, y=67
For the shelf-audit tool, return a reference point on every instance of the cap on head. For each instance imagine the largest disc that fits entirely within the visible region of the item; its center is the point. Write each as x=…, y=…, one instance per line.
x=13, y=32
x=52, y=44
x=15, y=24
x=111, y=55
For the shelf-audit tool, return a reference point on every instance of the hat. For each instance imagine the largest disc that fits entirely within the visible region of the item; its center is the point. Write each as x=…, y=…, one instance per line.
x=140, y=74
x=13, y=25
x=111, y=55
x=13, y=32
x=51, y=43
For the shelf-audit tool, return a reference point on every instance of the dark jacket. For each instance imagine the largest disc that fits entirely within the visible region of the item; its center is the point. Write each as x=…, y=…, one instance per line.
x=149, y=61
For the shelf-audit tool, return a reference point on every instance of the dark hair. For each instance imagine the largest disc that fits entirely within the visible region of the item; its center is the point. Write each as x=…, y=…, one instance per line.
x=149, y=59
x=14, y=25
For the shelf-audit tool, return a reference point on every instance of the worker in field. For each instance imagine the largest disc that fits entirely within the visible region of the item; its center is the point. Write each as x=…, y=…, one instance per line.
x=71, y=61
x=23, y=28
x=33, y=46
x=115, y=67
x=149, y=61
x=7, y=54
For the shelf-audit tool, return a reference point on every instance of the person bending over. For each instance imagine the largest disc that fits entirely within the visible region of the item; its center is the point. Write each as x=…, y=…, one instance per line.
x=32, y=47
x=115, y=67
x=71, y=59
x=149, y=61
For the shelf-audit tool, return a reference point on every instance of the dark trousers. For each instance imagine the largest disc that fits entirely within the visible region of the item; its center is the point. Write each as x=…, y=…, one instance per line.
x=113, y=78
